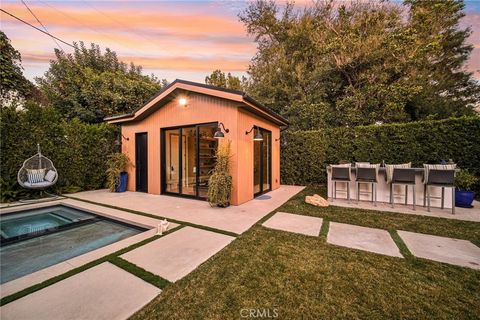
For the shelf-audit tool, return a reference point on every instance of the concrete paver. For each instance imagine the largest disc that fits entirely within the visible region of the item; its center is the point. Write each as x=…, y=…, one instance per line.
x=174, y=256
x=309, y=226
x=442, y=249
x=363, y=238
x=102, y=292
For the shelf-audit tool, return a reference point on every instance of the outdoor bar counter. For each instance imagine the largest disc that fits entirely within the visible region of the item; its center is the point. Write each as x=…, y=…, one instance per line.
x=383, y=190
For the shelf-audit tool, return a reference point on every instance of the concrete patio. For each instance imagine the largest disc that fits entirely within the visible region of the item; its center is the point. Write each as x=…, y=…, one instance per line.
x=236, y=219
x=467, y=214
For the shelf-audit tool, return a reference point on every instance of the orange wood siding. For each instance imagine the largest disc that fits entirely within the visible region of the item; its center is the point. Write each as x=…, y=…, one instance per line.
x=203, y=109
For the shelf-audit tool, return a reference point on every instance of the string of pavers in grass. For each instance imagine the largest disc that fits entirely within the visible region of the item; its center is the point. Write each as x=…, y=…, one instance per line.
x=394, y=243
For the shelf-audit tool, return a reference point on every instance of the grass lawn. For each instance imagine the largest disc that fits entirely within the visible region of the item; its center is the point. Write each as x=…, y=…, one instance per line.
x=297, y=276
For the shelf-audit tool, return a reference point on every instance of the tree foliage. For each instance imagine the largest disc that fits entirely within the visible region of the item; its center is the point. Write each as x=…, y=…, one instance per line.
x=334, y=64
x=13, y=83
x=228, y=81
x=90, y=85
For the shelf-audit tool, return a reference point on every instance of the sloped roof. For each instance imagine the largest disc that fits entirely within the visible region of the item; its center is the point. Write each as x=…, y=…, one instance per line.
x=168, y=93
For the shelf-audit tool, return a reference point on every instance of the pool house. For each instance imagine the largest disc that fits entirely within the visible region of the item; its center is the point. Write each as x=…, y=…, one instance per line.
x=173, y=138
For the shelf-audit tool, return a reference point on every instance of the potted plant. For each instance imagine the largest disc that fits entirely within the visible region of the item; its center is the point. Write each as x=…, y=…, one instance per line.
x=220, y=182
x=464, y=182
x=117, y=177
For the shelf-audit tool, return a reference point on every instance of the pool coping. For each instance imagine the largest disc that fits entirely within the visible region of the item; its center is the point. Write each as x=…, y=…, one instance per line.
x=39, y=276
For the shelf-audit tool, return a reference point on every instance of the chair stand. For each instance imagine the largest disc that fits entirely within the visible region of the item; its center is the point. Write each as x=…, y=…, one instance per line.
x=335, y=189
x=427, y=197
x=373, y=193
x=392, y=198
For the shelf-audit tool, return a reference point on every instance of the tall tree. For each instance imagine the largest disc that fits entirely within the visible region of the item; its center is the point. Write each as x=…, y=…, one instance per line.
x=228, y=81
x=358, y=63
x=441, y=48
x=90, y=85
x=13, y=84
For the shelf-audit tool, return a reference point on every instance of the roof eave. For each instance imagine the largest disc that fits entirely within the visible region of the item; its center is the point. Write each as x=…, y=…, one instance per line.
x=247, y=100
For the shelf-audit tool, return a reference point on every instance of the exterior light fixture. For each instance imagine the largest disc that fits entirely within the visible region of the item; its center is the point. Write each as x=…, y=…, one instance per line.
x=219, y=134
x=118, y=141
x=258, y=136
x=183, y=102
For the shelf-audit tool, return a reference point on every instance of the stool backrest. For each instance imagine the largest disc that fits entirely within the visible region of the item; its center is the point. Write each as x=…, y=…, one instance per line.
x=368, y=174
x=403, y=175
x=441, y=176
x=340, y=173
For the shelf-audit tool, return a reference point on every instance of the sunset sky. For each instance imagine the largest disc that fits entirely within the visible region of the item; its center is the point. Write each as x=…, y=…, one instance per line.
x=172, y=39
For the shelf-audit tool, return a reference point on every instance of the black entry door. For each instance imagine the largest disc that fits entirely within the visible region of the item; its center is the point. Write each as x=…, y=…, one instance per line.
x=141, y=162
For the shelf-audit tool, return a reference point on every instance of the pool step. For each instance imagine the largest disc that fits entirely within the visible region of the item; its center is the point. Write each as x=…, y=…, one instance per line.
x=37, y=231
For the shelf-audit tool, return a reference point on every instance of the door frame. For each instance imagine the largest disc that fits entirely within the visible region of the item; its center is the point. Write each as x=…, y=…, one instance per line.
x=163, y=162
x=137, y=173
x=262, y=191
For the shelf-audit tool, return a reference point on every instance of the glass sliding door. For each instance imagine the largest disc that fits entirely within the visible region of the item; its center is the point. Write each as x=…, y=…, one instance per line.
x=262, y=163
x=188, y=159
x=172, y=161
x=206, y=157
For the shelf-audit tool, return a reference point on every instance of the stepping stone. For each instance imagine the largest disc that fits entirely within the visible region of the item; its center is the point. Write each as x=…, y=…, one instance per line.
x=102, y=292
x=174, y=256
x=363, y=238
x=442, y=249
x=309, y=226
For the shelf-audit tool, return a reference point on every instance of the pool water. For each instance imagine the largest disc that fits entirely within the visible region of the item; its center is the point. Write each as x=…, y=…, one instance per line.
x=36, y=239
x=18, y=226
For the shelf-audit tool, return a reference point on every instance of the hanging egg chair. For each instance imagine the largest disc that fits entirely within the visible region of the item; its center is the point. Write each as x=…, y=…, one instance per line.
x=37, y=172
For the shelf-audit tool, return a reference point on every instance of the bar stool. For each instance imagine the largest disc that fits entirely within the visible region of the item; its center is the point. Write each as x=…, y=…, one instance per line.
x=367, y=173
x=341, y=173
x=440, y=176
x=404, y=177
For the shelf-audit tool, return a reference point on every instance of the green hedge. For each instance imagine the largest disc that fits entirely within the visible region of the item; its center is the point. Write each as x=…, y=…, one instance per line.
x=78, y=150
x=305, y=154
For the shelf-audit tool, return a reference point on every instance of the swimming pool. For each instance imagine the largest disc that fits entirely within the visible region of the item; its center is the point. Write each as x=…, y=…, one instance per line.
x=36, y=239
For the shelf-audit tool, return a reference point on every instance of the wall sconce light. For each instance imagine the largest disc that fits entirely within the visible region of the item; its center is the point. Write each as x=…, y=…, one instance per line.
x=258, y=136
x=118, y=142
x=183, y=102
x=219, y=134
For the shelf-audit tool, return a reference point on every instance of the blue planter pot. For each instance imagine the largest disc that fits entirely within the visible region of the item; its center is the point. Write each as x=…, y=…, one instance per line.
x=464, y=199
x=122, y=182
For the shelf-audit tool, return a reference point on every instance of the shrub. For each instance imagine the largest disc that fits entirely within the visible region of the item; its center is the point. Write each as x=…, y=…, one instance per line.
x=465, y=181
x=220, y=182
x=78, y=150
x=116, y=163
x=305, y=154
